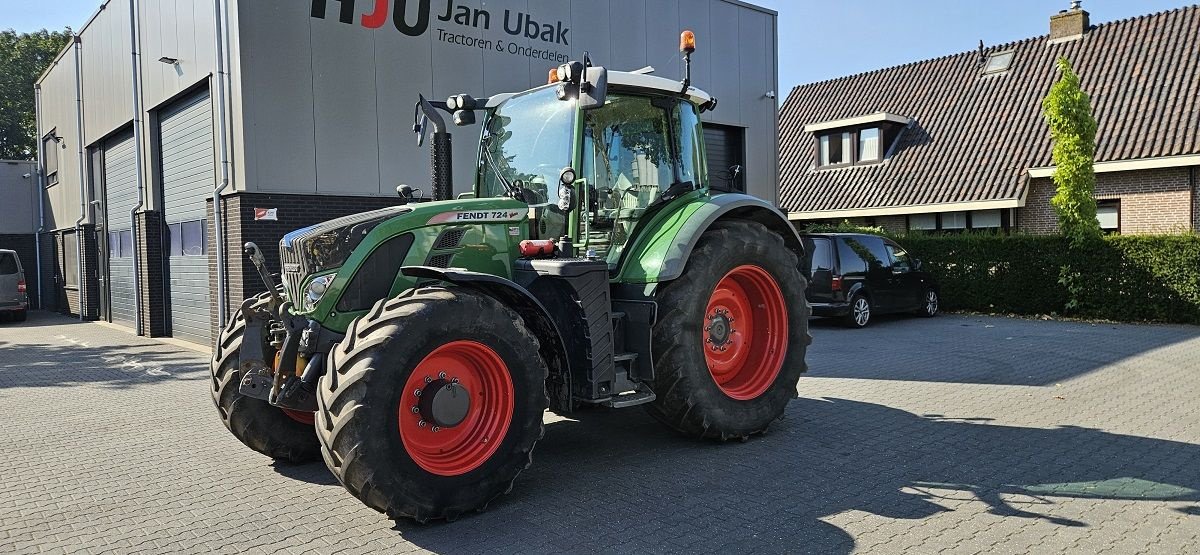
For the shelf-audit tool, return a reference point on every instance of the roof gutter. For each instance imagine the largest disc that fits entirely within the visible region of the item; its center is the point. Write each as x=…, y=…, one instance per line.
x=41, y=185
x=135, y=59
x=911, y=209
x=221, y=20
x=83, y=200
x=1158, y=162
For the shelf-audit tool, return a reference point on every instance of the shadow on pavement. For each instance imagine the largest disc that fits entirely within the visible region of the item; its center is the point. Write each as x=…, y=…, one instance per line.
x=619, y=481
x=62, y=358
x=982, y=350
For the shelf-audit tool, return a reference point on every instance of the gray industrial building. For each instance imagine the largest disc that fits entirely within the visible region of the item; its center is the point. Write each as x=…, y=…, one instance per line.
x=298, y=111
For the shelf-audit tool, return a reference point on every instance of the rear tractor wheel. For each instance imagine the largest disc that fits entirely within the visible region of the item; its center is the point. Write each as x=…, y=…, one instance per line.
x=277, y=433
x=427, y=414
x=729, y=349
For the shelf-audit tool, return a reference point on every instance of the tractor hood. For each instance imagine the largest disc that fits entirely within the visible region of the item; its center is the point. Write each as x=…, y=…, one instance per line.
x=327, y=245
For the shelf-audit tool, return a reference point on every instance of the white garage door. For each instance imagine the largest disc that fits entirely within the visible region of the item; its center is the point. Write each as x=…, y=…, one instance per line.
x=186, y=135
x=120, y=196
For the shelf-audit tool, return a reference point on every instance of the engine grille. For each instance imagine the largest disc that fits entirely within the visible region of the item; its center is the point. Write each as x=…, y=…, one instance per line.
x=292, y=271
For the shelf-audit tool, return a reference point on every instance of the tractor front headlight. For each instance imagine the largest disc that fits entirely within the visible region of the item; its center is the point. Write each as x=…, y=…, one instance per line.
x=315, y=290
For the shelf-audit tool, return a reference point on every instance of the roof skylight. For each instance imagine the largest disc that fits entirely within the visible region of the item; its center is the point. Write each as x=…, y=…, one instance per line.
x=999, y=62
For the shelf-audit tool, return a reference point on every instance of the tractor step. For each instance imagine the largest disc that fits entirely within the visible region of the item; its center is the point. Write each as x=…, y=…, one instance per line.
x=630, y=399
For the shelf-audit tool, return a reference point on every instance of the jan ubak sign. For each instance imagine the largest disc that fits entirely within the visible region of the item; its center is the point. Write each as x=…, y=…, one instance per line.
x=414, y=21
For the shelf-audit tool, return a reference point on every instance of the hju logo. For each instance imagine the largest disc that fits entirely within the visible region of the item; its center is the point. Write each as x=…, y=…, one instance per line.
x=517, y=24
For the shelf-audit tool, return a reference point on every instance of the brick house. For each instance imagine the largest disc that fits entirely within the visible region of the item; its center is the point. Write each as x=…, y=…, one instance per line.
x=959, y=142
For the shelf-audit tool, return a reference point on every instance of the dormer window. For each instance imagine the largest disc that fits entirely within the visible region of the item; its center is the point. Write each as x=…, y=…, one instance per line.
x=835, y=149
x=838, y=149
x=852, y=141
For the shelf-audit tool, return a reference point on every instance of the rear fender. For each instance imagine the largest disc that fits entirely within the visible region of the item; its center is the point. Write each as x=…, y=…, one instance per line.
x=661, y=252
x=533, y=313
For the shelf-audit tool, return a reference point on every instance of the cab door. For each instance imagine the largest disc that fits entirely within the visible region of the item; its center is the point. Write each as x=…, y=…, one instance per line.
x=638, y=152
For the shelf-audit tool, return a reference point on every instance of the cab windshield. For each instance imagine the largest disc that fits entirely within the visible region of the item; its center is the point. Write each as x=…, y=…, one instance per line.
x=526, y=143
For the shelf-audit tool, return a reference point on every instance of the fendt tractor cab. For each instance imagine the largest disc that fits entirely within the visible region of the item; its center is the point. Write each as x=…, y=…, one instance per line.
x=590, y=267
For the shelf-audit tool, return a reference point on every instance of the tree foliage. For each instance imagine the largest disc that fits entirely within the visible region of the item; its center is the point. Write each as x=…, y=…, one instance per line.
x=1068, y=113
x=23, y=57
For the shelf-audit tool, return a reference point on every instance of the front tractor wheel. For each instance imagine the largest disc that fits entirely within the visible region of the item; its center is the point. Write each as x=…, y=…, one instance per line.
x=277, y=433
x=729, y=349
x=432, y=403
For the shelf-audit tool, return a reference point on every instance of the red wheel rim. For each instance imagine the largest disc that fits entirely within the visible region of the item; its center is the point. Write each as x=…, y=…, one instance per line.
x=745, y=332
x=456, y=449
x=301, y=416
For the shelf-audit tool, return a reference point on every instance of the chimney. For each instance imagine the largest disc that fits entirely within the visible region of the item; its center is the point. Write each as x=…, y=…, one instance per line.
x=1069, y=24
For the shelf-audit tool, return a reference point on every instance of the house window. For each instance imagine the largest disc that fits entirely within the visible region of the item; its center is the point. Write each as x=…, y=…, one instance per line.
x=923, y=222
x=954, y=220
x=1108, y=213
x=70, y=266
x=859, y=146
x=50, y=151
x=835, y=149
x=999, y=62
x=958, y=221
x=868, y=145
x=985, y=219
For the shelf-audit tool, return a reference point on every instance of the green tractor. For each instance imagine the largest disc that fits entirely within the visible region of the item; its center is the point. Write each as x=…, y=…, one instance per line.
x=590, y=267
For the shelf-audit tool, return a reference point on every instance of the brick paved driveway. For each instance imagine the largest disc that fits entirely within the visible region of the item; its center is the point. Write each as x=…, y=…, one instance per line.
x=959, y=433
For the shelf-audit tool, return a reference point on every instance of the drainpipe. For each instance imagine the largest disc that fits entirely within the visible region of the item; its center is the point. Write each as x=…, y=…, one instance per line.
x=83, y=200
x=220, y=19
x=41, y=189
x=135, y=59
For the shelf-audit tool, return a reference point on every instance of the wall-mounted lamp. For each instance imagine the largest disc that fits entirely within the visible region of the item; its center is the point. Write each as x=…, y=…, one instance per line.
x=169, y=60
x=770, y=94
x=27, y=176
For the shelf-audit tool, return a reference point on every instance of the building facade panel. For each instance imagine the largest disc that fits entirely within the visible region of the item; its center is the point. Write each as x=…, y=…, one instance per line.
x=473, y=47
x=107, y=67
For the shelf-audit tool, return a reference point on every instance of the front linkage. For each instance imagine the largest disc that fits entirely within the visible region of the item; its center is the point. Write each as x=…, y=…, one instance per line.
x=295, y=340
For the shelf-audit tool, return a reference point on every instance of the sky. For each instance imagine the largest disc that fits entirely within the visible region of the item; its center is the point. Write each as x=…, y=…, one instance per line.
x=818, y=39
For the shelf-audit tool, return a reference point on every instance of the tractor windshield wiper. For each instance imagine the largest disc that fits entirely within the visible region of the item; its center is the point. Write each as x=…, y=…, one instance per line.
x=509, y=188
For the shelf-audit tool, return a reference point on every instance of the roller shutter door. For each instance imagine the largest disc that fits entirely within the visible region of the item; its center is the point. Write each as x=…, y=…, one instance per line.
x=187, y=174
x=120, y=196
x=723, y=145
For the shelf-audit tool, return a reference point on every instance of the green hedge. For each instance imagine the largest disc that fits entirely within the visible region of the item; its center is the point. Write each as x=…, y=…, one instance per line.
x=1127, y=278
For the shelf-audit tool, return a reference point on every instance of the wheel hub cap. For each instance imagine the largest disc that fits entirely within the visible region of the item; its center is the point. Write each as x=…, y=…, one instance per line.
x=719, y=329
x=444, y=403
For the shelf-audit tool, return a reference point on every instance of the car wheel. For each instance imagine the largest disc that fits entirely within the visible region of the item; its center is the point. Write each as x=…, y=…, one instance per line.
x=931, y=303
x=860, y=311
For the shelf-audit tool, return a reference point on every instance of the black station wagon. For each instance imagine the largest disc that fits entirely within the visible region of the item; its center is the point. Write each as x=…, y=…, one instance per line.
x=856, y=276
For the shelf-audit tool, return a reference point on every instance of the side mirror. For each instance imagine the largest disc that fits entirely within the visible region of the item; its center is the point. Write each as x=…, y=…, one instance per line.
x=916, y=263
x=596, y=90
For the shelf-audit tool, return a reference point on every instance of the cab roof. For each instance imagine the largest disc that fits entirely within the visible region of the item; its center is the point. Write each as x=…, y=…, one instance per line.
x=645, y=81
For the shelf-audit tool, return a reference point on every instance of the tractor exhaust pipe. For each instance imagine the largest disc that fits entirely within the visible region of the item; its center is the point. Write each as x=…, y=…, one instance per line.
x=441, y=154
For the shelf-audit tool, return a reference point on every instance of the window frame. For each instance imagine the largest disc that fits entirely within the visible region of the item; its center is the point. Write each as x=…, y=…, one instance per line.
x=70, y=274
x=1004, y=227
x=1109, y=202
x=50, y=144
x=1012, y=57
x=853, y=155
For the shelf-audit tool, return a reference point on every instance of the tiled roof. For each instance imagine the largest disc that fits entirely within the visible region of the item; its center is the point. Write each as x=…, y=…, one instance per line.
x=975, y=135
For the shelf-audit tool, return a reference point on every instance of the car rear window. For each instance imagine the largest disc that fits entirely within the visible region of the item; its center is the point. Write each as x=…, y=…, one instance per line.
x=818, y=255
x=8, y=264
